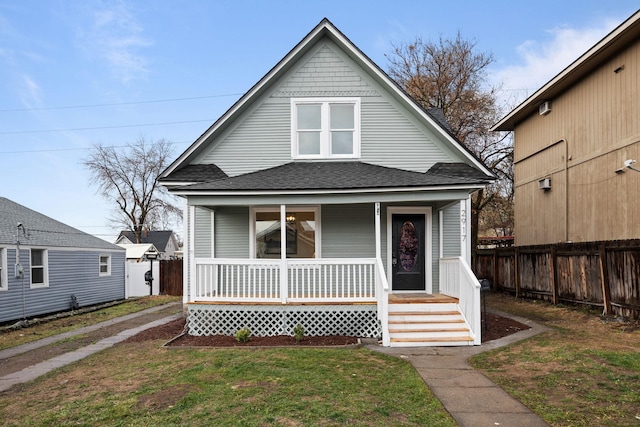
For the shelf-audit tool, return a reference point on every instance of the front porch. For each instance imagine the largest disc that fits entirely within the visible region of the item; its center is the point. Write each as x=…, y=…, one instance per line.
x=332, y=297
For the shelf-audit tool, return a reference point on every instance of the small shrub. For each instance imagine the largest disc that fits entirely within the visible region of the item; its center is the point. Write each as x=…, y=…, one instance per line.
x=298, y=332
x=243, y=335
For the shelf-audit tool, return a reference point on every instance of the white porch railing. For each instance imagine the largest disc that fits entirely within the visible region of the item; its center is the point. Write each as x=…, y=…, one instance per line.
x=304, y=280
x=457, y=280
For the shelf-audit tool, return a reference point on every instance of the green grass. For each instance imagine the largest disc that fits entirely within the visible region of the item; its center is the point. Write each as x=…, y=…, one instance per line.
x=42, y=329
x=584, y=371
x=142, y=385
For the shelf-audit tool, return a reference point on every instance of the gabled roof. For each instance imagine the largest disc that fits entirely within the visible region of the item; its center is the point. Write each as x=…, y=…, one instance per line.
x=43, y=231
x=626, y=33
x=159, y=239
x=346, y=175
x=137, y=250
x=323, y=29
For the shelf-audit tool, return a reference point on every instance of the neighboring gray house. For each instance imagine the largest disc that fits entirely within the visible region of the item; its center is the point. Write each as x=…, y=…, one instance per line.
x=327, y=197
x=164, y=241
x=57, y=262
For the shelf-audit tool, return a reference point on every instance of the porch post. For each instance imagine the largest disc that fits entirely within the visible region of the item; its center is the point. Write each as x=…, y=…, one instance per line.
x=378, y=239
x=283, y=254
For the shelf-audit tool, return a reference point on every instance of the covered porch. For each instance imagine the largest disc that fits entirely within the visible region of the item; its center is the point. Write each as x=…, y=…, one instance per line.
x=334, y=296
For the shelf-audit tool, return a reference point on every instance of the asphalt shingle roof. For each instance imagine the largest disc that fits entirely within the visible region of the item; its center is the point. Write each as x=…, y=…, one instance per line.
x=196, y=173
x=343, y=176
x=42, y=230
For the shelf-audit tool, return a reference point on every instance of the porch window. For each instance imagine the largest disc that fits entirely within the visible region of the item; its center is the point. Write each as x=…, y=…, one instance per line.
x=3, y=270
x=325, y=128
x=105, y=265
x=301, y=233
x=39, y=268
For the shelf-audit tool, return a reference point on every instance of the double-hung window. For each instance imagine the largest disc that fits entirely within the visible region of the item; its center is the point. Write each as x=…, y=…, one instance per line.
x=325, y=128
x=39, y=268
x=4, y=284
x=105, y=265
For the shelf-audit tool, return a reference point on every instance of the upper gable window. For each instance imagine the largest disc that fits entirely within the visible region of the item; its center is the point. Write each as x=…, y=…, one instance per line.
x=325, y=128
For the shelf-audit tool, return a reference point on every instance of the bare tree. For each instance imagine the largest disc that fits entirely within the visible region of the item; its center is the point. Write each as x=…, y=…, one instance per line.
x=128, y=178
x=452, y=76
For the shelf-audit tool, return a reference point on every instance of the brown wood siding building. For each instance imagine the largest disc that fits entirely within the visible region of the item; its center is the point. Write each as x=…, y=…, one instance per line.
x=592, y=127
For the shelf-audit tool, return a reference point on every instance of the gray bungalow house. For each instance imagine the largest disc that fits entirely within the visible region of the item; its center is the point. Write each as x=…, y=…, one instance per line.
x=47, y=266
x=327, y=197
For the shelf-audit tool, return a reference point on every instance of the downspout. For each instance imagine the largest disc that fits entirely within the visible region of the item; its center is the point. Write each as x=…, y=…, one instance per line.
x=566, y=189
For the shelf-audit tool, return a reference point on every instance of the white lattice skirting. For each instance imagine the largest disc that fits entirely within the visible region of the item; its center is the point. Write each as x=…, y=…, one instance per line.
x=319, y=320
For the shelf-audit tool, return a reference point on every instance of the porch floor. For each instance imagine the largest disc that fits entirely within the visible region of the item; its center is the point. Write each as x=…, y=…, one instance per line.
x=420, y=298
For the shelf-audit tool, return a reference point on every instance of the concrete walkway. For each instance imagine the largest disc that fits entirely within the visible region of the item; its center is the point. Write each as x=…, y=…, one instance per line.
x=34, y=371
x=471, y=398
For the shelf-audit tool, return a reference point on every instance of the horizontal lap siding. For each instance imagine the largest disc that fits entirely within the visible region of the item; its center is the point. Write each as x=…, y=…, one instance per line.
x=451, y=231
x=202, y=228
x=232, y=232
x=348, y=231
x=383, y=125
x=72, y=272
x=261, y=140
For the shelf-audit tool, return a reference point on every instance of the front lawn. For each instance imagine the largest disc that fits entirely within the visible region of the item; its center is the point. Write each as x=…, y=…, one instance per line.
x=585, y=371
x=141, y=384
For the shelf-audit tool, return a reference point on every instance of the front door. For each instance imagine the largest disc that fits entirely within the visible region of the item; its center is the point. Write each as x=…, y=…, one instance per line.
x=407, y=252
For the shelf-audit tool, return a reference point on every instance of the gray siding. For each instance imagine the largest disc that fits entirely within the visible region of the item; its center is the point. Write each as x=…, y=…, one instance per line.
x=232, y=232
x=435, y=251
x=451, y=231
x=71, y=272
x=348, y=231
x=261, y=137
x=202, y=245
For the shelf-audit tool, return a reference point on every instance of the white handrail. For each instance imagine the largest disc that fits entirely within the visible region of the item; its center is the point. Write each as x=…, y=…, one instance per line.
x=382, y=286
x=457, y=280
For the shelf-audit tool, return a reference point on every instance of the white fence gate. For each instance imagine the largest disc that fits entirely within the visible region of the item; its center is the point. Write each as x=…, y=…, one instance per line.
x=136, y=285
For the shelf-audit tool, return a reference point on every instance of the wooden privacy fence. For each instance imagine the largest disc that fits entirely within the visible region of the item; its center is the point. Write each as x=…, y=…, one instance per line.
x=605, y=274
x=171, y=277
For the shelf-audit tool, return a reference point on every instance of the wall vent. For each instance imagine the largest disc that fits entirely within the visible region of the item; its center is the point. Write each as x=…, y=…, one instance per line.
x=544, y=108
x=545, y=184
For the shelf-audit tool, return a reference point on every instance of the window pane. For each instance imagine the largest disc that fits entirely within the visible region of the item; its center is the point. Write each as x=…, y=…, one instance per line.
x=309, y=117
x=36, y=257
x=268, y=235
x=341, y=116
x=341, y=142
x=301, y=235
x=308, y=143
x=37, y=275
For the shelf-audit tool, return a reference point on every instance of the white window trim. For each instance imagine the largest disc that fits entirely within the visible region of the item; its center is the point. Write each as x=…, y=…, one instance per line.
x=100, y=272
x=291, y=208
x=45, y=267
x=325, y=140
x=4, y=277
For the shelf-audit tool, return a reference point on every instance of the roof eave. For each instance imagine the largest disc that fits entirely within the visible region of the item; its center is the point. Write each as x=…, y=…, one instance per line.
x=244, y=193
x=610, y=44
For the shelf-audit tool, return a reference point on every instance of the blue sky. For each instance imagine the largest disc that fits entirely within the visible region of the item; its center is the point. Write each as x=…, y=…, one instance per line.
x=78, y=73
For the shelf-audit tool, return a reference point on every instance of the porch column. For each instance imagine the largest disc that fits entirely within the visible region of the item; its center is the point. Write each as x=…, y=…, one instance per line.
x=283, y=254
x=378, y=238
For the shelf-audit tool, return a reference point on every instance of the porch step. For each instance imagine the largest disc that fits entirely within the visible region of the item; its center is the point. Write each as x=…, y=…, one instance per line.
x=413, y=324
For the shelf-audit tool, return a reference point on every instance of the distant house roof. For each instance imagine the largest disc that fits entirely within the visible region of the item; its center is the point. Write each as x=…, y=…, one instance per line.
x=626, y=33
x=159, y=239
x=137, y=250
x=41, y=230
x=342, y=175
